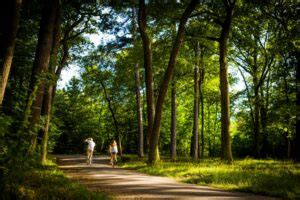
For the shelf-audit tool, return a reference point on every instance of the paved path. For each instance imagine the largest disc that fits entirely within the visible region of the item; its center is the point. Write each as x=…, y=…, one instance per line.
x=129, y=184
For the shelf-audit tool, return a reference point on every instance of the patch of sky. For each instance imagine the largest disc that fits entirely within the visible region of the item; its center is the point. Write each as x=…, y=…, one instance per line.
x=73, y=70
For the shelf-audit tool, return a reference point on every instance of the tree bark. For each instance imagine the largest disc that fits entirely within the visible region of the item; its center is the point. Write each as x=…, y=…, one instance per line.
x=9, y=50
x=139, y=113
x=40, y=67
x=153, y=131
x=297, y=138
x=118, y=137
x=48, y=96
x=225, y=103
x=173, y=119
x=142, y=22
x=201, y=101
x=195, y=138
x=153, y=155
x=209, y=131
x=256, y=118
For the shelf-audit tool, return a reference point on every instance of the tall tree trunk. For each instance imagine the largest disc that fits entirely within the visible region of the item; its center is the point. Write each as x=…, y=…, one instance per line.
x=118, y=136
x=173, y=119
x=153, y=156
x=297, y=138
x=40, y=67
x=201, y=101
x=215, y=127
x=139, y=113
x=153, y=131
x=257, y=107
x=256, y=123
x=264, y=115
x=142, y=22
x=225, y=103
x=138, y=93
x=195, y=137
x=209, y=131
x=47, y=102
x=9, y=50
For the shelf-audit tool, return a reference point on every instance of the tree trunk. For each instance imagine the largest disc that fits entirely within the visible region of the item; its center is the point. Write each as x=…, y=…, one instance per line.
x=40, y=67
x=154, y=136
x=256, y=128
x=201, y=101
x=142, y=22
x=256, y=124
x=209, y=131
x=139, y=113
x=173, y=119
x=215, y=127
x=195, y=137
x=297, y=138
x=225, y=103
x=118, y=136
x=48, y=97
x=9, y=50
x=153, y=156
x=264, y=116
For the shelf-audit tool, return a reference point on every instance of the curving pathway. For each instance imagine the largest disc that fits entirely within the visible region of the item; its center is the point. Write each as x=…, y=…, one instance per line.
x=129, y=184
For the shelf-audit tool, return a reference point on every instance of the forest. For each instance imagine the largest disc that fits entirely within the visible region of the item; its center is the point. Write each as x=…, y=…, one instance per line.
x=169, y=80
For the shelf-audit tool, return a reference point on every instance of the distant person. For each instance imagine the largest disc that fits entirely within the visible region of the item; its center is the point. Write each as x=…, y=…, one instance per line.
x=90, y=150
x=113, y=149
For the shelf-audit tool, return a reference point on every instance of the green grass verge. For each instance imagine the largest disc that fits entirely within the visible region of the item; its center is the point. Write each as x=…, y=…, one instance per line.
x=45, y=182
x=267, y=177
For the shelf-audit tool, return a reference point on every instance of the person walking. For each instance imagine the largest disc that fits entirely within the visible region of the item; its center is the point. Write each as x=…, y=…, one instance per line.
x=113, y=149
x=90, y=150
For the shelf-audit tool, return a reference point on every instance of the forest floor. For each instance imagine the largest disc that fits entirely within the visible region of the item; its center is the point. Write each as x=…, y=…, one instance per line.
x=129, y=184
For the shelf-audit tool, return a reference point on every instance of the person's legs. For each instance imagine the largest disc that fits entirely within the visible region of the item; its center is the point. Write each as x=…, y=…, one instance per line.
x=88, y=155
x=91, y=156
x=115, y=156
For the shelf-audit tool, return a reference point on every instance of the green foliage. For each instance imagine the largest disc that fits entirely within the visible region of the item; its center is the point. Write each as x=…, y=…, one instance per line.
x=77, y=118
x=263, y=43
x=44, y=182
x=267, y=177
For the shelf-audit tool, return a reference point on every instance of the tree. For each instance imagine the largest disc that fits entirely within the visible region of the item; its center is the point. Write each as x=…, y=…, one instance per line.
x=10, y=46
x=69, y=36
x=40, y=67
x=173, y=118
x=147, y=49
x=49, y=89
x=195, y=137
x=153, y=151
x=255, y=57
x=139, y=113
x=225, y=24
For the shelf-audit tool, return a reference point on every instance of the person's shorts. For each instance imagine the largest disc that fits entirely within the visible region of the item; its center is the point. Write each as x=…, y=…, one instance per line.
x=113, y=152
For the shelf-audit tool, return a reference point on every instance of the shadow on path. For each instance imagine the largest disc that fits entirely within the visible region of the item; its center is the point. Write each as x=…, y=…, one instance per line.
x=128, y=184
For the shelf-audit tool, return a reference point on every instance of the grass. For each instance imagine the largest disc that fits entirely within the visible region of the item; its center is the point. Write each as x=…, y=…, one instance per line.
x=267, y=177
x=45, y=182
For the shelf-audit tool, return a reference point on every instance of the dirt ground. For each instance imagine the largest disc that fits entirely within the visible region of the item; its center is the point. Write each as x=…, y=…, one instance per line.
x=128, y=184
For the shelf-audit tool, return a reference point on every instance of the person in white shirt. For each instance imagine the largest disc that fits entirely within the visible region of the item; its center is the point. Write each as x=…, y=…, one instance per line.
x=113, y=149
x=90, y=150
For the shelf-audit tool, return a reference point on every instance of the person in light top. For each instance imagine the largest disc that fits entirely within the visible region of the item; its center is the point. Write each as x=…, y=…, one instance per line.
x=113, y=149
x=90, y=150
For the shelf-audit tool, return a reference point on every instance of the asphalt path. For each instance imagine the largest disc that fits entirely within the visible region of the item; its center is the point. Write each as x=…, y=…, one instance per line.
x=129, y=184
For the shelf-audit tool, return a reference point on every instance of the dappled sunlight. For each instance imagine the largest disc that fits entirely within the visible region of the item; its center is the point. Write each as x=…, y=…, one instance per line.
x=165, y=99
x=278, y=178
x=100, y=176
